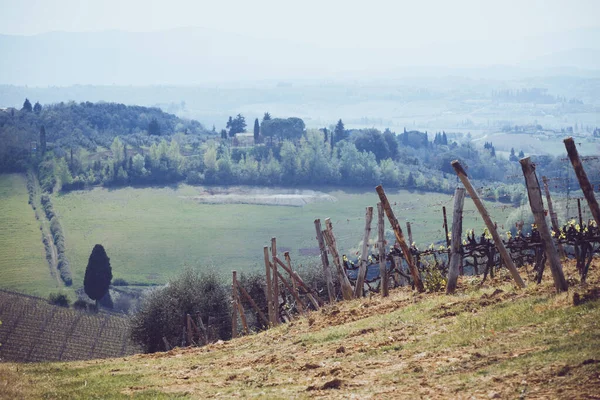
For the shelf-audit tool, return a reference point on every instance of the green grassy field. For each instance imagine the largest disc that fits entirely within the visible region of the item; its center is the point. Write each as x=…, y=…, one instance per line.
x=152, y=233
x=23, y=265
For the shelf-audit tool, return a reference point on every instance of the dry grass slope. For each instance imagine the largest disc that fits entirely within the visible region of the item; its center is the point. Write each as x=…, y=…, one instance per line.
x=490, y=342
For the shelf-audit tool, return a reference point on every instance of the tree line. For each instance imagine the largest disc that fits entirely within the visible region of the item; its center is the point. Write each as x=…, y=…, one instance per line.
x=74, y=146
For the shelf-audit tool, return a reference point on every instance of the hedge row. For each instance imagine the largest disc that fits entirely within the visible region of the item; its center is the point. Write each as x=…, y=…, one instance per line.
x=59, y=241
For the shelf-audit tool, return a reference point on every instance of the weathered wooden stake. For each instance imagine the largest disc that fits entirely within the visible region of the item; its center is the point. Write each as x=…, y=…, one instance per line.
x=400, y=238
x=291, y=290
x=315, y=300
x=409, y=231
x=584, y=183
x=275, y=280
x=462, y=175
x=381, y=244
x=190, y=334
x=446, y=227
x=253, y=304
x=166, y=342
x=455, y=252
x=300, y=306
x=299, y=280
x=234, y=309
x=238, y=303
x=347, y=291
x=579, y=213
x=362, y=269
x=325, y=261
x=553, y=218
x=537, y=208
x=270, y=307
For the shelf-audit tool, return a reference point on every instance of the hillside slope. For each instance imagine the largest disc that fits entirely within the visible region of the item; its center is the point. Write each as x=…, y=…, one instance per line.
x=490, y=342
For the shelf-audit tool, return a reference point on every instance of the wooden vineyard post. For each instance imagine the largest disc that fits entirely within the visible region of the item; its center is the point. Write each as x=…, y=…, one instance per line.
x=400, y=238
x=275, y=280
x=381, y=244
x=253, y=304
x=314, y=300
x=166, y=342
x=584, y=183
x=325, y=261
x=291, y=290
x=190, y=334
x=446, y=227
x=364, y=257
x=409, y=231
x=269, y=287
x=537, y=208
x=347, y=291
x=462, y=175
x=455, y=252
x=579, y=213
x=234, y=309
x=553, y=217
x=300, y=306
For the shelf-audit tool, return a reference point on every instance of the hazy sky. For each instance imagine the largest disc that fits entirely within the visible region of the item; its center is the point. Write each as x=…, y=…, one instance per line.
x=349, y=23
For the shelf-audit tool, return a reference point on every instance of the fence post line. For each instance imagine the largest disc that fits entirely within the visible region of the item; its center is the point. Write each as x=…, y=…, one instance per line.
x=269, y=286
x=234, y=309
x=537, y=208
x=325, y=261
x=381, y=244
x=400, y=238
x=455, y=243
x=362, y=269
x=553, y=217
x=584, y=183
x=462, y=175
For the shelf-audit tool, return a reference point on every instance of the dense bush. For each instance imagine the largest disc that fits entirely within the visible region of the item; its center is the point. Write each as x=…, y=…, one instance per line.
x=59, y=299
x=162, y=311
x=120, y=282
x=80, y=305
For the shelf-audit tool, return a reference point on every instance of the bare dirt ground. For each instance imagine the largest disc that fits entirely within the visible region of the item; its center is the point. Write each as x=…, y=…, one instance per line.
x=259, y=196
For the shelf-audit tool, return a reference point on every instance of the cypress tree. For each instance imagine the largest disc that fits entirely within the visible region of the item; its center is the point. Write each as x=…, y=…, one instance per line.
x=98, y=274
x=256, y=131
x=43, y=140
x=27, y=106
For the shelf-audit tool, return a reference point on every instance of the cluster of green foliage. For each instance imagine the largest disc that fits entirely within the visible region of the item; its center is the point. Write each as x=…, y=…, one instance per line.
x=59, y=299
x=163, y=310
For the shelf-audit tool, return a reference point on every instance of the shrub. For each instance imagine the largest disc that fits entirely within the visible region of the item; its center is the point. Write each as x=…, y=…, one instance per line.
x=162, y=311
x=59, y=299
x=434, y=279
x=120, y=282
x=80, y=305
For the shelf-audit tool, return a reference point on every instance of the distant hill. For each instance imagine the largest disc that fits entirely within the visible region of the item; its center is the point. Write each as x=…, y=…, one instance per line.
x=34, y=331
x=84, y=124
x=195, y=55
